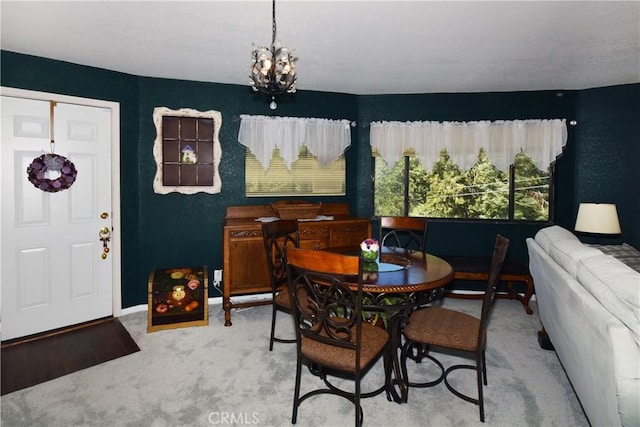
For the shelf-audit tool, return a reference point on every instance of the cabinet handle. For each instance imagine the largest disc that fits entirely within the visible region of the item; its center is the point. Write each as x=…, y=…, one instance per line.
x=317, y=247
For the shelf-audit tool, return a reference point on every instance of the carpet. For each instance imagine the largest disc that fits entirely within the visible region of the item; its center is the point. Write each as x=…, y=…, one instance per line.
x=34, y=360
x=216, y=375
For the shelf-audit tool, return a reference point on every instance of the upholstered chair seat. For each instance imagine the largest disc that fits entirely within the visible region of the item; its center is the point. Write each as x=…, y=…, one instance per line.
x=374, y=338
x=445, y=328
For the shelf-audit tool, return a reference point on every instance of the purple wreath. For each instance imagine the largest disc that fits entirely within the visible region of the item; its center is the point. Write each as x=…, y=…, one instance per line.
x=36, y=172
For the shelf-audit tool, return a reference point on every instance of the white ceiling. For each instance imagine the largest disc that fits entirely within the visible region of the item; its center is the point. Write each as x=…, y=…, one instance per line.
x=357, y=47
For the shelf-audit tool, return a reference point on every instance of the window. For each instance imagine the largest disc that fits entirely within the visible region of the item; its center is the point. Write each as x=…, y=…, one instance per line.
x=288, y=156
x=474, y=170
x=445, y=191
x=305, y=178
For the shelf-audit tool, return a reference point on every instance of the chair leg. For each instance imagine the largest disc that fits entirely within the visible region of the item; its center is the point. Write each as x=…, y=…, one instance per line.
x=421, y=350
x=296, y=393
x=479, y=377
x=273, y=325
x=273, y=338
x=422, y=353
x=480, y=397
x=386, y=359
x=481, y=372
x=484, y=368
x=356, y=401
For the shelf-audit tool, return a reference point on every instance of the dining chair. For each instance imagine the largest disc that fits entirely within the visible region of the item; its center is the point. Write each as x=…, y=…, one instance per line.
x=332, y=338
x=453, y=330
x=403, y=232
x=278, y=235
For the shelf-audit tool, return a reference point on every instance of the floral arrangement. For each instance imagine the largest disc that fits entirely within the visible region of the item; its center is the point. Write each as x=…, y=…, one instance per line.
x=37, y=173
x=370, y=249
x=370, y=245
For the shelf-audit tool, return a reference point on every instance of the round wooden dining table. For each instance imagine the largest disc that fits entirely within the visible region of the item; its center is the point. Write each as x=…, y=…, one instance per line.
x=404, y=280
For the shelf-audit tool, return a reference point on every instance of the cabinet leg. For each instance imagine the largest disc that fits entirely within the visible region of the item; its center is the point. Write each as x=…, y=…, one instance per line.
x=226, y=305
x=527, y=295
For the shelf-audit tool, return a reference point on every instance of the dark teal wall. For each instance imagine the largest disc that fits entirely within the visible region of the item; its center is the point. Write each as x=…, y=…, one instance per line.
x=608, y=153
x=176, y=229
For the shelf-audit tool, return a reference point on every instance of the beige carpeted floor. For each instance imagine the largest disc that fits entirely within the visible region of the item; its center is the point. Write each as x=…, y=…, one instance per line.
x=216, y=375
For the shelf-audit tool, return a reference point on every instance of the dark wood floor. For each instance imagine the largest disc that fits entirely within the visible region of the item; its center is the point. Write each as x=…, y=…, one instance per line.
x=36, y=359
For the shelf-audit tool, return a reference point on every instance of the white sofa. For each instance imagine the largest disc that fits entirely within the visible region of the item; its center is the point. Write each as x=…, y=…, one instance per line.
x=589, y=305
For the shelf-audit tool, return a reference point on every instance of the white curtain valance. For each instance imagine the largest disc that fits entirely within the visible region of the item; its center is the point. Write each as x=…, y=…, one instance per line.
x=326, y=139
x=542, y=140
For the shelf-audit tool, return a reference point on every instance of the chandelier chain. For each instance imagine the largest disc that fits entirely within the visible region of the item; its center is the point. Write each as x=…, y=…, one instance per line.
x=273, y=25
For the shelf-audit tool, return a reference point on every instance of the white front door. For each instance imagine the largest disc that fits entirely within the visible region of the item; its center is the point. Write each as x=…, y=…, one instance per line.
x=55, y=270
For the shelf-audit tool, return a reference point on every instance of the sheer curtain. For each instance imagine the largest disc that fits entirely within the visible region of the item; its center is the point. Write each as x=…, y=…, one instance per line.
x=326, y=139
x=541, y=140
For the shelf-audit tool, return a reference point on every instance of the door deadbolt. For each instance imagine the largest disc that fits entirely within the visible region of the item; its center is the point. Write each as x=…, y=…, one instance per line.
x=105, y=237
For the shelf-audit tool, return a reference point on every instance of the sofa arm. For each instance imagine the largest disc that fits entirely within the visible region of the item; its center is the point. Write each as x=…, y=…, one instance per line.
x=626, y=362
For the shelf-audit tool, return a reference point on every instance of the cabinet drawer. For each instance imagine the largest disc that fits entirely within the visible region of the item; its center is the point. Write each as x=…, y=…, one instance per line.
x=308, y=231
x=348, y=234
x=314, y=243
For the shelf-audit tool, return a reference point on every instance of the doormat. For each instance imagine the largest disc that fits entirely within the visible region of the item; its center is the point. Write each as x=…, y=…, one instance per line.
x=43, y=357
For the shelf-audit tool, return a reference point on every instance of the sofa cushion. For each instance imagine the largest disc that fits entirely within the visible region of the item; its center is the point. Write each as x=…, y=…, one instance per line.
x=554, y=233
x=615, y=286
x=567, y=253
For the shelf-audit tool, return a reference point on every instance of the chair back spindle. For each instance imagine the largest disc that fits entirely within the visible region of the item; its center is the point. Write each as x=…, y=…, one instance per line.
x=497, y=260
x=403, y=232
x=277, y=236
x=325, y=308
x=325, y=289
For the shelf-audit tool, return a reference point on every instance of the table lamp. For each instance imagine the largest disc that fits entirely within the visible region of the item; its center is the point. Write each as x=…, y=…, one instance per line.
x=597, y=218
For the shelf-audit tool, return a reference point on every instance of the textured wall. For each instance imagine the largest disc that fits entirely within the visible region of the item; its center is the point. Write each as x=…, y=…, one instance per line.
x=608, y=153
x=177, y=229
x=599, y=162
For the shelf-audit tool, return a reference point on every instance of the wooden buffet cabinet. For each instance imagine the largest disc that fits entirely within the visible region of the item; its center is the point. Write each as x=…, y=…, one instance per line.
x=244, y=261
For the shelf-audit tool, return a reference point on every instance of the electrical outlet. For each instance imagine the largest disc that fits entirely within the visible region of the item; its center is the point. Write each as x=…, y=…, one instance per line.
x=217, y=276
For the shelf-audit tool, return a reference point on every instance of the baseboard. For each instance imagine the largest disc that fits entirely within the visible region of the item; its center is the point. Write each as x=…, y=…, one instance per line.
x=262, y=297
x=212, y=301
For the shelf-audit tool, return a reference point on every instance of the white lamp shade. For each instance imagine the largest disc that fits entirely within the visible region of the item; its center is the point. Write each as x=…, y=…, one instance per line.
x=598, y=218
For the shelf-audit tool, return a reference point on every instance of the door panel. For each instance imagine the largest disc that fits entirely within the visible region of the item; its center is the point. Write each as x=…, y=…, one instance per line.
x=38, y=294
x=53, y=274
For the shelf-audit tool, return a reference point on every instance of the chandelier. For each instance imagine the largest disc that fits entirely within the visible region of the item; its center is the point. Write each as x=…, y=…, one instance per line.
x=274, y=70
